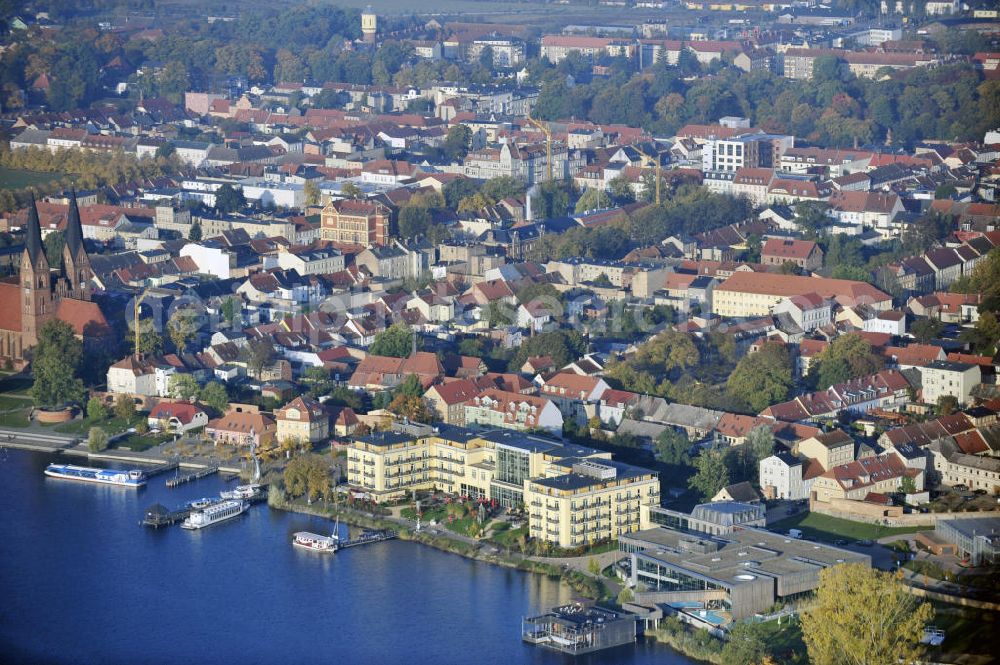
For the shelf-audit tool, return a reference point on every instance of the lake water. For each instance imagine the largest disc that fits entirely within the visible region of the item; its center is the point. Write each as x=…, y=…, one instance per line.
x=82, y=582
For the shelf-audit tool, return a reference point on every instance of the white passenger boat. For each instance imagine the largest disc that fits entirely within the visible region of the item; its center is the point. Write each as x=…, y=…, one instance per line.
x=219, y=512
x=130, y=478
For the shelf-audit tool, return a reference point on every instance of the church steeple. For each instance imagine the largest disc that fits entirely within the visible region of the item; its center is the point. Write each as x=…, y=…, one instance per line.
x=76, y=269
x=74, y=232
x=33, y=236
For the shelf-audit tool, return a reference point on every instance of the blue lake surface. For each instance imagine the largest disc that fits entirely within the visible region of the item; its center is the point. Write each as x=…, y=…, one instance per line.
x=81, y=582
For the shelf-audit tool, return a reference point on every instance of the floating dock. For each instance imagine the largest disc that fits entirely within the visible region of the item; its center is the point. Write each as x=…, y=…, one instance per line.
x=367, y=538
x=578, y=629
x=159, y=515
x=194, y=475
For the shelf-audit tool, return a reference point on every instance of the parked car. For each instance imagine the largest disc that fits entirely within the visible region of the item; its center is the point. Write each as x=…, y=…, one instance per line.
x=866, y=543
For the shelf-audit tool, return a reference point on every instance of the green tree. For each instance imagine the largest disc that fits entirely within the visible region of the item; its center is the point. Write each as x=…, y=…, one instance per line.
x=458, y=189
x=96, y=411
x=310, y=190
x=195, y=233
x=413, y=221
x=258, y=354
x=214, y=396
x=947, y=405
x=848, y=357
x=230, y=309
x=97, y=440
x=56, y=362
x=410, y=387
x=184, y=386
x=865, y=617
x=711, y=474
x=759, y=445
x=457, y=142
x=925, y=330
x=745, y=646
x=984, y=334
x=563, y=346
x=351, y=191
x=229, y=199
x=500, y=314
x=396, y=341
x=592, y=199
x=502, y=187
x=125, y=408
x=673, y=447
x=763, y=378
x=182, y=327
x=907, y=485
x=620, y=189
x=150, y=341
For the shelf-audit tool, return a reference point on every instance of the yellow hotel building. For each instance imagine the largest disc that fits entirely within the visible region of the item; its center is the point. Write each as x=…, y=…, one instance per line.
x=573, y=494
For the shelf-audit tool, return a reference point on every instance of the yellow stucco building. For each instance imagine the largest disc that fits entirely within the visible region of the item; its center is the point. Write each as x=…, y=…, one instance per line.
x=573, y=494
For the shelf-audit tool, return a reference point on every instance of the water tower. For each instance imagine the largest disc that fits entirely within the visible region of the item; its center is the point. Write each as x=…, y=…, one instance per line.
x=369, y=25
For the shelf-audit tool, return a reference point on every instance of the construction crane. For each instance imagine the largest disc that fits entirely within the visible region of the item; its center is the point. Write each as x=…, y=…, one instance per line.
x=656, y=163
x=138, y=304
x=548, y=143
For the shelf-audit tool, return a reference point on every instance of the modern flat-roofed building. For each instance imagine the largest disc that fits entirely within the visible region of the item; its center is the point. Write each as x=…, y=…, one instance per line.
x=977, y=538
x=734, y=576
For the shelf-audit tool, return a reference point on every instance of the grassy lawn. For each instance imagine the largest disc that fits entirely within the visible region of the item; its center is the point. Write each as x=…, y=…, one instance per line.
x=139, y=442
x=14, y=418
x=81, y=426
x=10, y=402
x=784, y=641
x=826, y=528
x=462, y=525
x=509, y=537
x=20, y=178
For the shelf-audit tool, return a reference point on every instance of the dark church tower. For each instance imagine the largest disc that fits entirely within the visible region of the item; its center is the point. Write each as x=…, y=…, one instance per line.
x=76, y=265
x=36, y=281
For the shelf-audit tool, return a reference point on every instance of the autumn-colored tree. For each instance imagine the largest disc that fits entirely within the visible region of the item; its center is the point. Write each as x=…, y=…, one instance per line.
x=863, y=616
x=411, y=407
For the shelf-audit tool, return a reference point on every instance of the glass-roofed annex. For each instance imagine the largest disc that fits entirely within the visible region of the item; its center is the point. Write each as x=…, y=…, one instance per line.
x=718, y=518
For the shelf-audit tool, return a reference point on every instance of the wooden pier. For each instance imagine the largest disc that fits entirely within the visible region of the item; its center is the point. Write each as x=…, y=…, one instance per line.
x=159, y=515
x=194, y=475
x=367, y=538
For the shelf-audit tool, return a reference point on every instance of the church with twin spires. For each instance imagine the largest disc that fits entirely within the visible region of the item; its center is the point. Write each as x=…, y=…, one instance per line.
x=42, y=292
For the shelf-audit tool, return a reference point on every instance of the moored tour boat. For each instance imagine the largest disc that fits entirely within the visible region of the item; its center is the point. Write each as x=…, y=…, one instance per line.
x=219, y=512
x=119, y=477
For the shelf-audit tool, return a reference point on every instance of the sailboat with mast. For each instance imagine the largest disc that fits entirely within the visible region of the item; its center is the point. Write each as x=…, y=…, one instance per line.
x=254, y=489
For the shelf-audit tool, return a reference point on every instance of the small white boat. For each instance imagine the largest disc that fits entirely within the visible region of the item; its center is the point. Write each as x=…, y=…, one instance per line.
x=243, y=492
x=315, y=542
